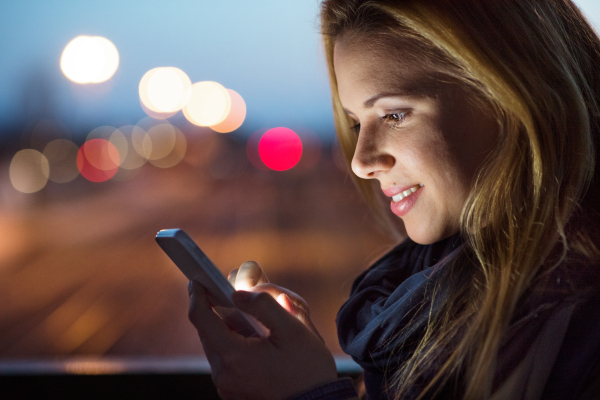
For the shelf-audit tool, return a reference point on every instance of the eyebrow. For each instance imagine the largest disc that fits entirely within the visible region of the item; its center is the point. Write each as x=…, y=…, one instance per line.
x=372, y=100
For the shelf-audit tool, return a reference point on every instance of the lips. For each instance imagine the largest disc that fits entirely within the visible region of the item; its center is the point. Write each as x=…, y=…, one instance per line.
x=394, y=190
x=403, y=198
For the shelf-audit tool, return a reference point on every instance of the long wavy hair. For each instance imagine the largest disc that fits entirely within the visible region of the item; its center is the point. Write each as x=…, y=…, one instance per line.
x=533, y=64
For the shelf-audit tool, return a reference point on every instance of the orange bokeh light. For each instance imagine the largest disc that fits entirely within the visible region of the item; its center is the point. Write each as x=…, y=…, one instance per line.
x=235, y=117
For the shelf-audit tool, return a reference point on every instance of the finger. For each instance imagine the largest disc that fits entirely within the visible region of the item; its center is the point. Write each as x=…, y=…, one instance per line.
x=265, y=309
x=249, y=275
x=231, y=276
x=275, y=291
x=287, y=304
x=213, y=332
x=300, y=313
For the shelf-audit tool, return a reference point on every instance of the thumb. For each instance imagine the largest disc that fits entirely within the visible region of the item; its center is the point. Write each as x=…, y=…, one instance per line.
x=264, y=308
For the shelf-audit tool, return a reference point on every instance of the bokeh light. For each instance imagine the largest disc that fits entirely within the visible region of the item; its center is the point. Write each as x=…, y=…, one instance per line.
x=89, y=59
x=280, y=148
x=159, y=142
x=101, y=132
x=141, y=143
x=118, y=139
x=208, y=103
x=130, y=159
x=176, y=154
x=166, y=88
x=98, y=160
x=162, y=91
x=235, y=117
x=28, y=171
x=62, y=159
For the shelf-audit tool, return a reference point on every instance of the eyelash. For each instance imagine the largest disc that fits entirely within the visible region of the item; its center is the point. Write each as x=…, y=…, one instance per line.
x=400, y=117
x=386, y=118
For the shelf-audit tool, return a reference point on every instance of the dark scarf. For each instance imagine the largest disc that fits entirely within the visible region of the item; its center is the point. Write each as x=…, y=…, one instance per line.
x=384, y=318
x=386, y=299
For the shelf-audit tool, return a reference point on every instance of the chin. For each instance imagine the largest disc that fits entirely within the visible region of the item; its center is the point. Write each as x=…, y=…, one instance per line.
x=429, y=235
x=424, y=239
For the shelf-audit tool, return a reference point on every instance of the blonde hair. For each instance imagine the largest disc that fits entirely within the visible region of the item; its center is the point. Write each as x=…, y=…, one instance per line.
x=533, y=64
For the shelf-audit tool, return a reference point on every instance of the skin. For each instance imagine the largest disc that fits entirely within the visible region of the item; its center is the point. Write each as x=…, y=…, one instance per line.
x=291, y=360
x=420, y=131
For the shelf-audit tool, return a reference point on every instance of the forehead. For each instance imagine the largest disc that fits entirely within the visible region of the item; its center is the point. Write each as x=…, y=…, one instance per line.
x=381, y=65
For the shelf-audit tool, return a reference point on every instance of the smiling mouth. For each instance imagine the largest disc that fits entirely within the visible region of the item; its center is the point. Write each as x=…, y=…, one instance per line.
x=406, y=193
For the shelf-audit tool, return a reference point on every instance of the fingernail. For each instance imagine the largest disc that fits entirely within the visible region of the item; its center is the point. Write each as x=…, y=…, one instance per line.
x=242, y=296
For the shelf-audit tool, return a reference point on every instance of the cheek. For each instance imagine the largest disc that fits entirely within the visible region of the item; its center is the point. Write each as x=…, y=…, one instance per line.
x=441, y=171
x=471, y=135
x=427, y=158
x=432, y=158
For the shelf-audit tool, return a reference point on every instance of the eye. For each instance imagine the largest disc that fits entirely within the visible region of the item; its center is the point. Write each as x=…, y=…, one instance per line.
x=355, y=128
x=395, y=118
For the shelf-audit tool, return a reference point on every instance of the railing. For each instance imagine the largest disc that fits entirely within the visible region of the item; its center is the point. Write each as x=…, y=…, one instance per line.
x=117, y=378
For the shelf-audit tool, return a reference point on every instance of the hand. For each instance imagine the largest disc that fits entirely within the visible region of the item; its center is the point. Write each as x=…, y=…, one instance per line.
x=251, y=277
x=289, y=361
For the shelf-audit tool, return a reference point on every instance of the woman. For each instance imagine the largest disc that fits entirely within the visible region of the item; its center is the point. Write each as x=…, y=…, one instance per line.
x=480, y=120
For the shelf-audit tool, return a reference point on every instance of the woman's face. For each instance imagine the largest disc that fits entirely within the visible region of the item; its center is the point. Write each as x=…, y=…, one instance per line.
x=420, y=138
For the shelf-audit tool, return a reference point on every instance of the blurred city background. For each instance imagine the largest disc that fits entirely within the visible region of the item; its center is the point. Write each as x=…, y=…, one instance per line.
x=118, y=119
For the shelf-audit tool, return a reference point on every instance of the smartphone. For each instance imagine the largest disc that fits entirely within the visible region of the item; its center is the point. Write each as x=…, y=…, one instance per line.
x=192, y=261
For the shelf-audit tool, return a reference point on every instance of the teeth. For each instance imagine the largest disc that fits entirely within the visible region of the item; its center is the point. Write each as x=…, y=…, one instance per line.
x=406, y=193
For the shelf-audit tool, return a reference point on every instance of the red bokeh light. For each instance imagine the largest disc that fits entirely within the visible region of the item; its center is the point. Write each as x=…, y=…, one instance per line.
x=280, y=148
x=98, y=160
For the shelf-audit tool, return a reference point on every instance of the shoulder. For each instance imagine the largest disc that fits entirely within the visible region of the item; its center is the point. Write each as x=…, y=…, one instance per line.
x=553, y=344
x=577, y=364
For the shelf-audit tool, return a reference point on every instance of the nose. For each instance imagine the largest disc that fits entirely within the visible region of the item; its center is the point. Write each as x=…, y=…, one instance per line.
x=370, y=157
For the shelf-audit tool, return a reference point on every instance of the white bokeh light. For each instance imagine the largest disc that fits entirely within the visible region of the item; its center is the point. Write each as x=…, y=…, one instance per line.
x=208, y=103
x=162, y=91
x=89, y=59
